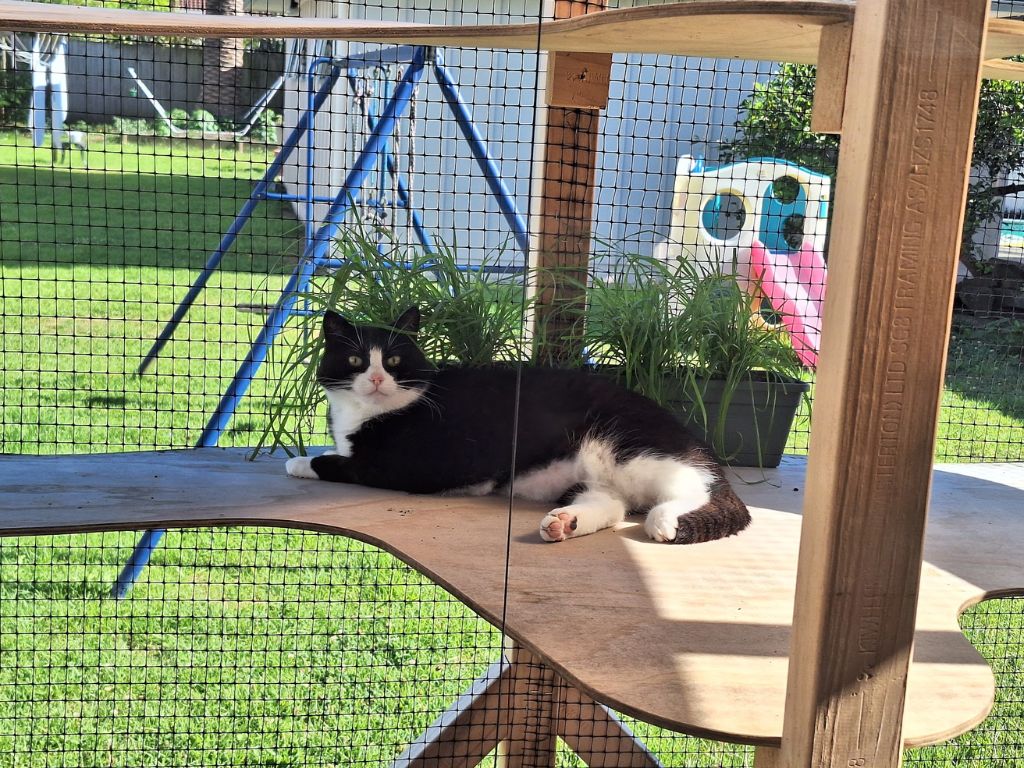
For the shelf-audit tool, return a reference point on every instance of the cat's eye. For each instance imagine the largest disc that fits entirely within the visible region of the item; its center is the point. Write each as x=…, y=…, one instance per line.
x=355, y=360
x=393, y=361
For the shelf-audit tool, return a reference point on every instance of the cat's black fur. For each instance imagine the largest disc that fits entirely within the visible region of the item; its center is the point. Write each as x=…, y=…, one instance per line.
x=462, y=430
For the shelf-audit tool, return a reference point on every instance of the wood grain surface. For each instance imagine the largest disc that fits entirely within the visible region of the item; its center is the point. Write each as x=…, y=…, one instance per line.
x=563, y=207
x=831, y=78
x=761, y=30
x=693, y=638
x=904, y=160
x=706, y=25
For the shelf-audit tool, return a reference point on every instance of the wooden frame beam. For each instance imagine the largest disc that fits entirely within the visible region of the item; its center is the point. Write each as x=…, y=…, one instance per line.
x=598, y=737
x=535, y=698
x=564, y=207
x=908, y=128
x=518, y=708
x=578, y=80
x=762, y=30
x=468, y=730
x=830, y=83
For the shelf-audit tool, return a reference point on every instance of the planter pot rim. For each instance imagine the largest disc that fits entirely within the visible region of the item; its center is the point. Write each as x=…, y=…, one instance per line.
x=756, y=377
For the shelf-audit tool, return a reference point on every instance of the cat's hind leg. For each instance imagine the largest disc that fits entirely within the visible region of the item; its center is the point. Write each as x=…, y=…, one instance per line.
x=671, y=488
x=590, y=510
x=681, y=521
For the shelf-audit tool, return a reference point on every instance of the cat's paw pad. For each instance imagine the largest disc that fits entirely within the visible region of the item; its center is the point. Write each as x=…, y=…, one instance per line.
x=557, y=525
x=662, y=522
x=301, y=466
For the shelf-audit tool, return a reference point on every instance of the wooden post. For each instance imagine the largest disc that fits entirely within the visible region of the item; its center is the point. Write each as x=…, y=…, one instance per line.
x=535, y=695
x=578, y=80
x=830, y=82
x=566, y=201
x=903, y=165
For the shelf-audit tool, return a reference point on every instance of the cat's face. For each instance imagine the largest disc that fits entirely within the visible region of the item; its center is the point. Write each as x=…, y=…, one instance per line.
x=381, y=368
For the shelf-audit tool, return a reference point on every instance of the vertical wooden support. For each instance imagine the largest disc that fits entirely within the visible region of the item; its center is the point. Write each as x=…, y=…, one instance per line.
x=903, y=165
x=518, y=709
x=830, y=82
x=535, y=694
x=566, y=204
x=578, y=80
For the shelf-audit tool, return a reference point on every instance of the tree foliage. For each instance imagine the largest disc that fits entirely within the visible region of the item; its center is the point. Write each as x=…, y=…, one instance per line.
x=776, y=122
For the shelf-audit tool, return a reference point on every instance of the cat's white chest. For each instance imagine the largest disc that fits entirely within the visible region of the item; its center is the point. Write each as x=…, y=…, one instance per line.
x=348, y=413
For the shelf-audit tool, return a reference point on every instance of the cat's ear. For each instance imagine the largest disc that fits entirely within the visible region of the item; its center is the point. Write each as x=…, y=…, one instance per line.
x=408, y=321
x=336, y=325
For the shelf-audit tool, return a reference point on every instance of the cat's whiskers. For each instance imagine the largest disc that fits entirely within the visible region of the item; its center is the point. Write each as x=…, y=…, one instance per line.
x=336, y=384
x=428, y=401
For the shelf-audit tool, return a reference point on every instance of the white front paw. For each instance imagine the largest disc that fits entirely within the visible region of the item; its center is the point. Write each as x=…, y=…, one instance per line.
x=301, y=466
x=662, y=522
x=558, y=525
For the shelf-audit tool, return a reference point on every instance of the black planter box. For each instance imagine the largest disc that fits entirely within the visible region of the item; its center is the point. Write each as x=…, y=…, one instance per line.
x=757, y=421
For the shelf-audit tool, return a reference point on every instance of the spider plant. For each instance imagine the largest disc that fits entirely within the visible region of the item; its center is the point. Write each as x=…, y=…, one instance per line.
x=686, y=336
x=469, y=317
x=633, y=326
x=478, y=316
x=731, y=351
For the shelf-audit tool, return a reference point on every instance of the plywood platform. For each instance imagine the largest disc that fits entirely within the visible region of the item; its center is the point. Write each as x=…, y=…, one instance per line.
x=692, y=638
x=766, y=30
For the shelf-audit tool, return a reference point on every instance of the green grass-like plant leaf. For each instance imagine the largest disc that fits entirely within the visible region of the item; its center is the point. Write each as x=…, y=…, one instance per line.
x=469, y=317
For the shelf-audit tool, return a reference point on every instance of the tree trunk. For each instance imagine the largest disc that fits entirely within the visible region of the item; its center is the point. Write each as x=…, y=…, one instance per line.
x=222, y=65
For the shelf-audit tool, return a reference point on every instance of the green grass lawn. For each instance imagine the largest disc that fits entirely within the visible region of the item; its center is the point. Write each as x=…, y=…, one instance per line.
x=93, y=262
x=252, y=647
x=982, y=416
x=246, y=647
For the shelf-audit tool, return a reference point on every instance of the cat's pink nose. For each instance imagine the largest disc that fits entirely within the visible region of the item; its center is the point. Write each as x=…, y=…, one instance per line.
x=377, y=379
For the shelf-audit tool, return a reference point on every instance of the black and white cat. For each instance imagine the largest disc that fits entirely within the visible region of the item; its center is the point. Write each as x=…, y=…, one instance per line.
x=596, y=450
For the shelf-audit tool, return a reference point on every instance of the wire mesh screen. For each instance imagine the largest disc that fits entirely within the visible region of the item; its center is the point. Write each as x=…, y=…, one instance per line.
x=240, y=647
x=694, y=164
x=985, y=349
x=161, y=197
x=107, y=221
x=256, y=646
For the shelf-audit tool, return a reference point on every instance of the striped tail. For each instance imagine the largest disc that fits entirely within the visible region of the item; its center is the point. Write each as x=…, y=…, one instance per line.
x=724, y=515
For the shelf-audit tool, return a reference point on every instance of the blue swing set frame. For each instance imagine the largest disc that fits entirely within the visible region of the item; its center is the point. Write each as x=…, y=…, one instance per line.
x=317, y=241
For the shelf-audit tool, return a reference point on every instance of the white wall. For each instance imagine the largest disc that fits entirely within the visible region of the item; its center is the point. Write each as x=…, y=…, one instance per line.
x=661, y=107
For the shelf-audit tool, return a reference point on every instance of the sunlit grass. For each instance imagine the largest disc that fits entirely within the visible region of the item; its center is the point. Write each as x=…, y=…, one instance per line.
x=242, y=647
x=86, y=288
x=256, y=647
